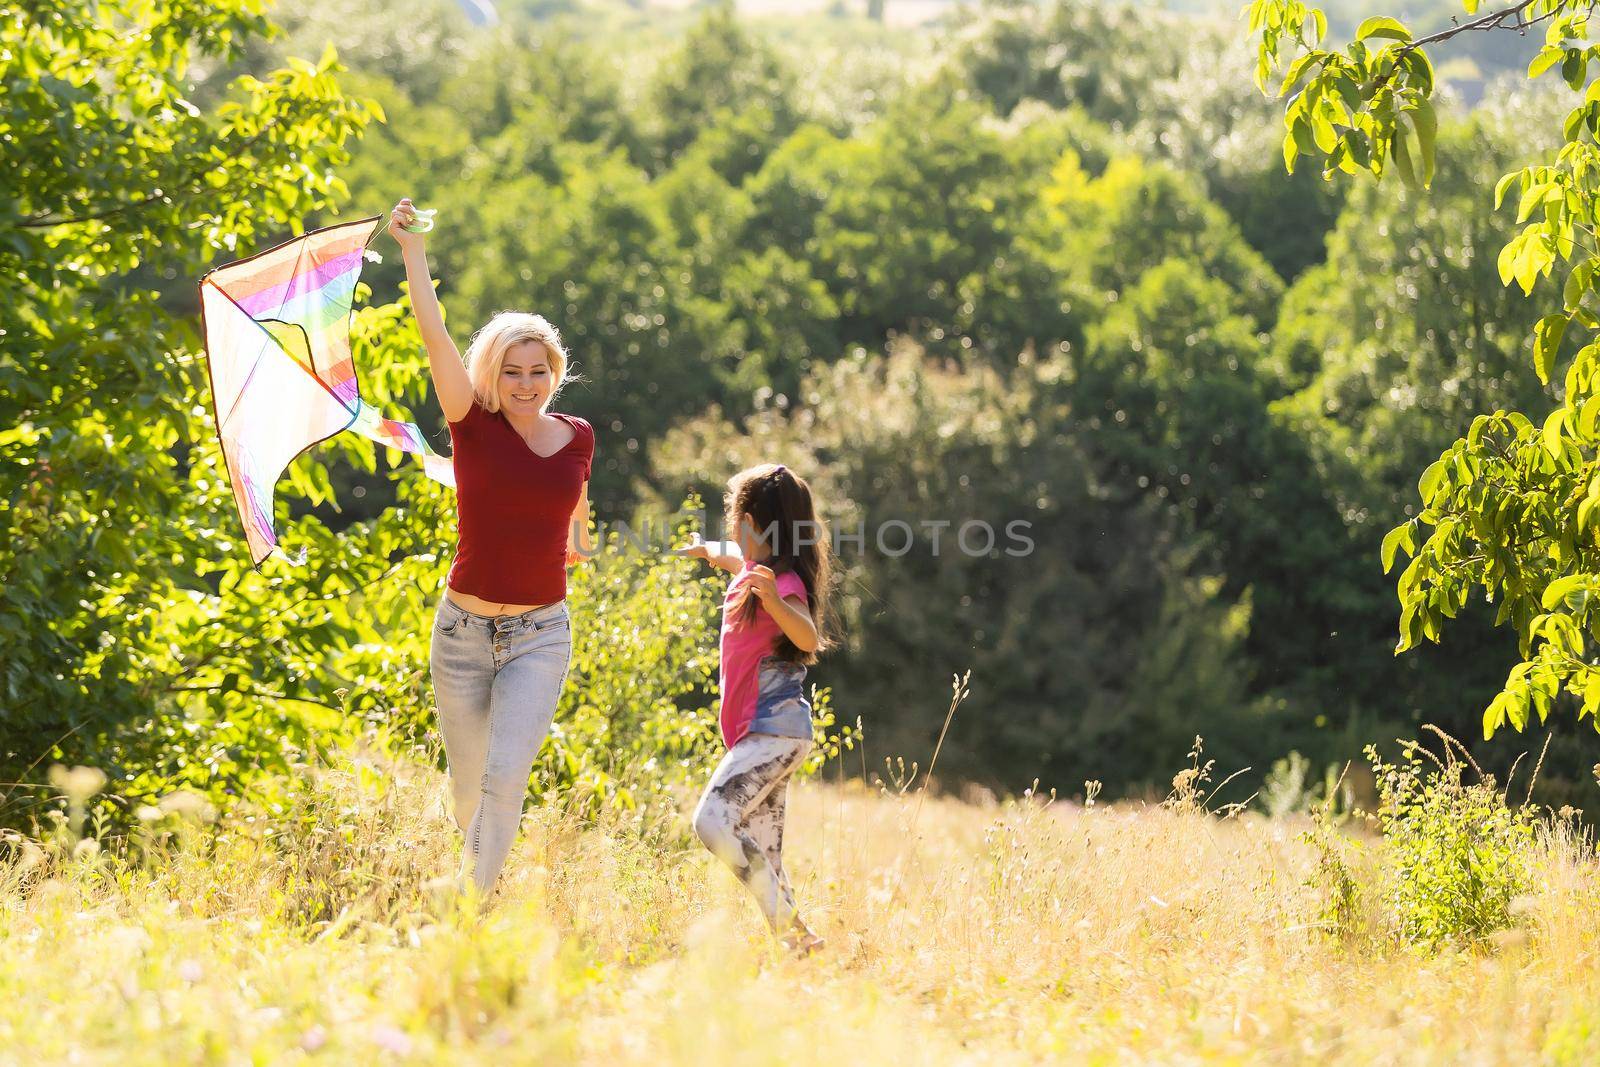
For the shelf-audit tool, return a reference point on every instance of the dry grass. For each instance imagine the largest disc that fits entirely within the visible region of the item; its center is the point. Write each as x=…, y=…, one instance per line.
x=1018, y=934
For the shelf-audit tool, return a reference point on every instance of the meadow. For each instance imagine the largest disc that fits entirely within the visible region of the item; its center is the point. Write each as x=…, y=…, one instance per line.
x=959, y=931
x=1066, y=264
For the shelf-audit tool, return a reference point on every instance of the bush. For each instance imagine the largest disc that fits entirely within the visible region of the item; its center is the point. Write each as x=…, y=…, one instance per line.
x=1340, y=894
x=1456, y=853
x=1289, y=789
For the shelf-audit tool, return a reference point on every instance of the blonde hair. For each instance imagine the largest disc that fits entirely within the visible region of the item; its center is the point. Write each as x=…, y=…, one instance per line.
x=487, y=353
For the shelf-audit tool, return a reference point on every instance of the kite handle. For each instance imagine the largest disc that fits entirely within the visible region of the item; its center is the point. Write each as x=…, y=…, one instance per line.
x=424, y=221
x=423, y=224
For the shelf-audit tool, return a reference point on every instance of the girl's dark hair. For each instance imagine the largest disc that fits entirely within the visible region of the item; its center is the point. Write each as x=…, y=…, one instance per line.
x=780, y=506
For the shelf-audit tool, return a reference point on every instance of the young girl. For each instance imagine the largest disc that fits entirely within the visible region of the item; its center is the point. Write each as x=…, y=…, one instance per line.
x=772, y=628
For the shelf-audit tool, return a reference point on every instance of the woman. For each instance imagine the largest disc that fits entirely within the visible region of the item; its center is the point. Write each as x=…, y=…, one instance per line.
x=502, y=639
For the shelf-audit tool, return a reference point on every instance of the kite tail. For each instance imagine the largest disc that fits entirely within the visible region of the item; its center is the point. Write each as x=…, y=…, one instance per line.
x=407, y=437
x=440, y=468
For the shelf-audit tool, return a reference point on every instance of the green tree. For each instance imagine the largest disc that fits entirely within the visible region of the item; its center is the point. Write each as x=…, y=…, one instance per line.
x=1406, y=332
x=1102, y=57
x=717, y=72
x=1165, y=87
x=421, y=52
x=919, y=224
x=1388, y=350
x=1509, y=508
x=1113, y=227
x=116, y=503
x=1177, y=401
x=781, y=318
x=134, y=633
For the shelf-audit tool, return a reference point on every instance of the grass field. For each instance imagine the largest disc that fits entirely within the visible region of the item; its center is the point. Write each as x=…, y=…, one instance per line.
x=1015, y=933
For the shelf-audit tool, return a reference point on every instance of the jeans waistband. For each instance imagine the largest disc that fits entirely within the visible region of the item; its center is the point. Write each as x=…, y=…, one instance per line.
x=535, y=617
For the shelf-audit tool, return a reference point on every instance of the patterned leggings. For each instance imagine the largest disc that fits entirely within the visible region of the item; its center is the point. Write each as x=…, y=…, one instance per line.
x=740, y=819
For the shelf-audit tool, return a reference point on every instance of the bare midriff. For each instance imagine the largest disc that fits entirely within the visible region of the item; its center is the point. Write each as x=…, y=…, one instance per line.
x=479, y=606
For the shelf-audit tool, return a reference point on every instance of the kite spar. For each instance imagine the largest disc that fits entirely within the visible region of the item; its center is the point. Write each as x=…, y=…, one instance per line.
x=277, y=341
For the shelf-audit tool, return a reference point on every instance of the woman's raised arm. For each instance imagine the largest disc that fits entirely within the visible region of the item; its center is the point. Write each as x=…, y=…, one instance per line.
x=450, y=379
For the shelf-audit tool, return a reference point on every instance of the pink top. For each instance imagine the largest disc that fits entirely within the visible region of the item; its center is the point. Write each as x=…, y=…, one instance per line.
x=743, y=646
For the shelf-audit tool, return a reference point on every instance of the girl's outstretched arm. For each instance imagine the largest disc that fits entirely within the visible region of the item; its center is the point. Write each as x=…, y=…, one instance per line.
x=724, y=555
x=450, y=379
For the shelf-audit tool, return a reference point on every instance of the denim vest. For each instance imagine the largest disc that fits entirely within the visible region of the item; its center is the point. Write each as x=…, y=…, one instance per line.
x=782, y=709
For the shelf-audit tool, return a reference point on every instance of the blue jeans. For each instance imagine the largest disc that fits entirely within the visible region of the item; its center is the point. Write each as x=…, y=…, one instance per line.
x=782, y=709
x=496, y=681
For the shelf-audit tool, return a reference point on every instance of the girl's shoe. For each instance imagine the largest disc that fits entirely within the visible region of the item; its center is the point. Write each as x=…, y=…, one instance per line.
x=801, y=942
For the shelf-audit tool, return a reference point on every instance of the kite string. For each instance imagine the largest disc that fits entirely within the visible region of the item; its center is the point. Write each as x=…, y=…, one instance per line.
x=377, y=232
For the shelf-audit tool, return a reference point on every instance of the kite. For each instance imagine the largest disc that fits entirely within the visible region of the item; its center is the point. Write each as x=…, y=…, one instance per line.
x=277, y=345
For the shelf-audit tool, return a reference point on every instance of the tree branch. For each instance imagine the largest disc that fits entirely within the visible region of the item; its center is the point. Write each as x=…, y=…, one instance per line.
x=1492, y=21
x=184, y=185
x=262, y=694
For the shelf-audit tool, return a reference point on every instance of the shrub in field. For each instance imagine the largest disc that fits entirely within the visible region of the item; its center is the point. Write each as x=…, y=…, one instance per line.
x=1334, y=879
x=1289, y=788
x=1456, y=853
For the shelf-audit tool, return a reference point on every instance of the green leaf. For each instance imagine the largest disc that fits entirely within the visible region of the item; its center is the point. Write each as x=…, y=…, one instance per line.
x=1507, y=262
x=1574, y=68
x=1542, y=62
x=1427, y=129
x=1421, y=68
x=1430, y=623
x=1547, y=335
x=1587, y=417
x=1532, y=197
x=1297, y=70
x=1495, y=715
x=1382, y=26
x=1400, y=150
x=1428, y=484
x=1359, y=146
x=1409, y=631
x=1475, y=432
x=1529, y=257
x=1322, y=131
x=1396, y=539
x=1577, y=284
x=1500, y=191
x=1552, y=434
x=1558, y=591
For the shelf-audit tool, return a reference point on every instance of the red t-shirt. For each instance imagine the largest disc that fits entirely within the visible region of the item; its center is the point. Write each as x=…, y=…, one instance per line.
x=514, y=508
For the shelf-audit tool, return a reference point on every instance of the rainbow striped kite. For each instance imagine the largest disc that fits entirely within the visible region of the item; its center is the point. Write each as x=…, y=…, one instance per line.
x=282, y=378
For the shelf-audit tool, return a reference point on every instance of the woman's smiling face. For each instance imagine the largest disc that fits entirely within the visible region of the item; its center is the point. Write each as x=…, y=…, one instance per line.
x=525, y=379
